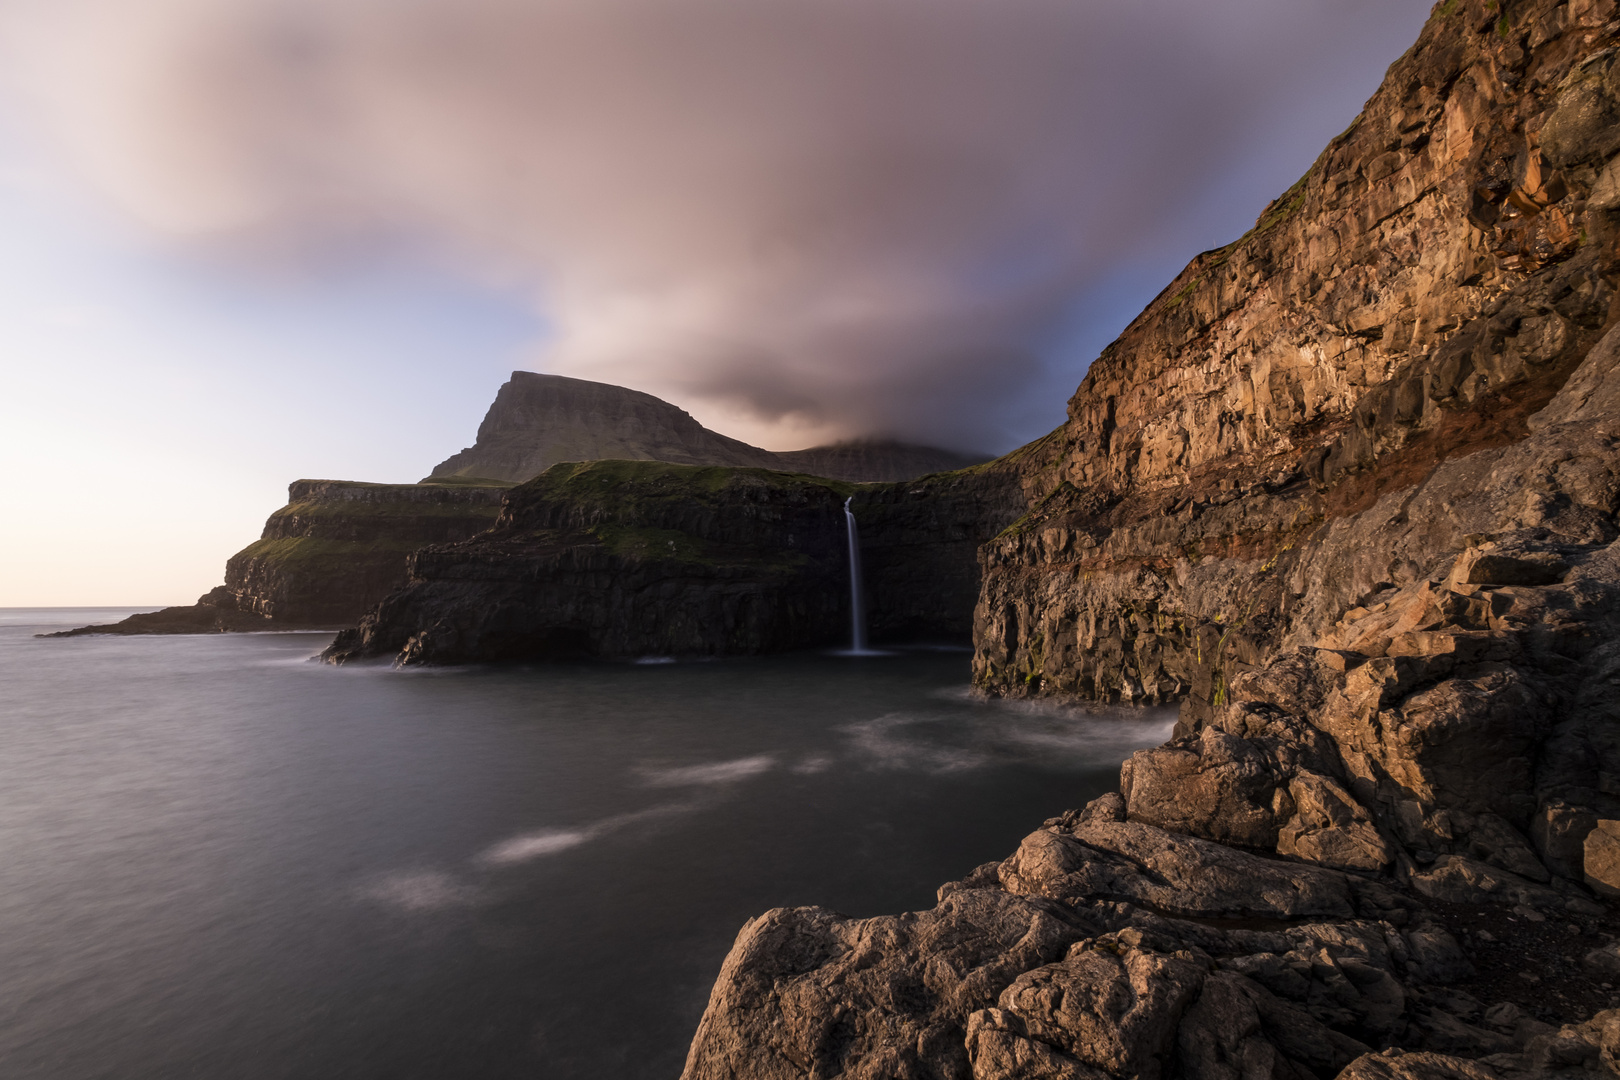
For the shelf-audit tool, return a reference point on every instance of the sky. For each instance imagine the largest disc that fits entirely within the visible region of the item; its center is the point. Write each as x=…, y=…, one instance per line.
x=248, y=241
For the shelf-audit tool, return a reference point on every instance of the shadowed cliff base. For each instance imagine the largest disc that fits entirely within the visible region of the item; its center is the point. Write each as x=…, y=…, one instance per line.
x=1349, y=489
x=538, y=421
x=621, y=559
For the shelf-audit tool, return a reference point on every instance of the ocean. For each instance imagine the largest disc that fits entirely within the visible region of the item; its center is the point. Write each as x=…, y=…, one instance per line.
x=220, y=860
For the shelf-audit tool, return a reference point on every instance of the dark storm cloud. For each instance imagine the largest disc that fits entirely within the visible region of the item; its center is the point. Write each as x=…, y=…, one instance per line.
x=835, y=216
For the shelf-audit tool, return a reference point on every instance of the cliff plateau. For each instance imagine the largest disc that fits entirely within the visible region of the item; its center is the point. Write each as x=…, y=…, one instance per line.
x=1349, y=489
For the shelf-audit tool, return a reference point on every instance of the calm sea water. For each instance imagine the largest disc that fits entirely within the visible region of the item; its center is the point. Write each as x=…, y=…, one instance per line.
x=219, y=860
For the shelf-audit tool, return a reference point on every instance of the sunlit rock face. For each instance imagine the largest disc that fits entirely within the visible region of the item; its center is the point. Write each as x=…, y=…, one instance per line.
x=1264, y=447
x=1348, y=489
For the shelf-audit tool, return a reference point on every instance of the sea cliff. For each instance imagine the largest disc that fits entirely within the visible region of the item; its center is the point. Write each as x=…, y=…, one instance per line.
x=623, y=559
x=1348, y=489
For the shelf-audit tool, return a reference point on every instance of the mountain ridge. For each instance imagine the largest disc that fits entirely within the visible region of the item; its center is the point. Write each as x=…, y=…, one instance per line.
x=539, y=420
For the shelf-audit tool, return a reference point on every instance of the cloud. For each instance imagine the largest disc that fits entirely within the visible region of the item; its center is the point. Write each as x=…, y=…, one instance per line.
x=816, y=217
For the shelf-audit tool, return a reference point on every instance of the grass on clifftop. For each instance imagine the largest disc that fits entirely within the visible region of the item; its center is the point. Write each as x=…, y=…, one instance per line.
x=318, y=512
x=661, y=479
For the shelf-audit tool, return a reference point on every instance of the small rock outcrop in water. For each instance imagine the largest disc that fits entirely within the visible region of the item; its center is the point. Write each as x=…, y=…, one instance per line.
x=638, y=558
x=538, y=421
x=328, y=556
x=1350, y=490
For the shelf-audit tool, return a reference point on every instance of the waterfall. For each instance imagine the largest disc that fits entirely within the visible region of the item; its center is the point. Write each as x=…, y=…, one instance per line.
x=857, y=614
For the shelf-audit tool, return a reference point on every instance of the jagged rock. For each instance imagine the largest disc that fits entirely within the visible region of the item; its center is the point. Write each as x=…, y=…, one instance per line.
x=1559, y=832
x=1220, y=788
x=1179, y=875
x=1331, y=828
x=627, y=559
x=1236, y=1029
x=1602, y=863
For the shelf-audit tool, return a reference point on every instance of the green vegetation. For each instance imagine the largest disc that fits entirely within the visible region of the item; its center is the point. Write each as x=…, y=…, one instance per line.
x=324, y=511
x=1035, y=661
x=304, y=554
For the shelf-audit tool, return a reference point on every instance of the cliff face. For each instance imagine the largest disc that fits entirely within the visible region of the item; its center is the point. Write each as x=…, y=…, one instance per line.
x=622, y=559
x=327, y=557
x=338, y=546
x=538, y=421
x=1232, y=472
x=1350, y=488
